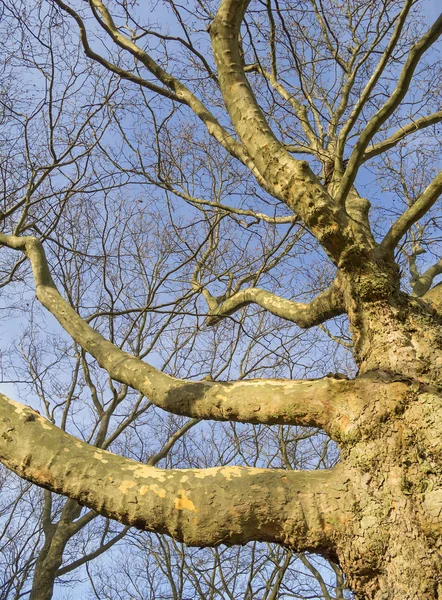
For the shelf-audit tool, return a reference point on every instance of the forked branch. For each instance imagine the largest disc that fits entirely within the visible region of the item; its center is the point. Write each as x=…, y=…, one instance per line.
x=389, y=107
x=402, y=133
x=412, y=214
x=170, y=87
x=305, y=315
x=424, y=281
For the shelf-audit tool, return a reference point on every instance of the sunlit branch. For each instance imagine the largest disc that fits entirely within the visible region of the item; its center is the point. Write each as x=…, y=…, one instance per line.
x=255, y=401
x=424, y=282
x=413, y=214
x=296, y=508
x=401, y=133
x=305, y=315
x=375, y=123
x=365, y=95
x=174, y=89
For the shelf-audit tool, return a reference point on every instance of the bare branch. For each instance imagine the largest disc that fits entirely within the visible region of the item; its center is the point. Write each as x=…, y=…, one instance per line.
x=424, y=282
x=92, y=555
x=305, y=315
x=295, y=508
x=402, y=133
x=376, y=122
x=365, y=95
x=175, y=89
x=254, y=401
x=434, y=296
x=291, y=180
x=123, y=73
x=155, y=459
x=412, y=214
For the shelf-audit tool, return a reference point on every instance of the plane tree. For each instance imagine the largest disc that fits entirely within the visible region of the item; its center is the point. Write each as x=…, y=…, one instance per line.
x=308, y=100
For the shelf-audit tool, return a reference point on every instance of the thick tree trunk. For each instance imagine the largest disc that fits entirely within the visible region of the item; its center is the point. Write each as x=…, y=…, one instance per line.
x=378, y=512
x=393, y=457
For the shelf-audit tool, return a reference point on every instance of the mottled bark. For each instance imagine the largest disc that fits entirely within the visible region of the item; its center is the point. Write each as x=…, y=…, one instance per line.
x=379, y=512
x=296, y=508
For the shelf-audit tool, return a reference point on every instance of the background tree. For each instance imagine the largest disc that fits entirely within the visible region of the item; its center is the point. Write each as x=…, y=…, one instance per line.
x=263, y=142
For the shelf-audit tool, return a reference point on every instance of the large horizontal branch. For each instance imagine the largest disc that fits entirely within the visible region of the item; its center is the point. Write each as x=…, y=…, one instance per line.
x=412, y=214
x=305, y=315
x=295, y=508
x=328, y=403
x=402, y=133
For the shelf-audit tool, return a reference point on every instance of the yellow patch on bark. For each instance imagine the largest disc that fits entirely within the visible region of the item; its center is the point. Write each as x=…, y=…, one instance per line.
x=184, y=502
x=229, y=472
x=126, y=485
x=19, y=408
x=98, y=456
x=156, y=489
x=44, y=423
x=145, y=471
x=66, y=450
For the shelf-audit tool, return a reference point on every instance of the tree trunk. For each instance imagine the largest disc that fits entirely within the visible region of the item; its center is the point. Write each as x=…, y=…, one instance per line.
x=47, y=565
x=393, y=452
x=50, y=558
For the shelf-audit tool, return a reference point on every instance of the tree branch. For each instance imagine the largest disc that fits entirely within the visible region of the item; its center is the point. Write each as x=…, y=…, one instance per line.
x=174, y=89
x=299, y=509
x=319, y=403
x=379, y=118
x=424, y=281
x=291, y=180
x=401, y=133
x=92, y=555
x=371, y=83
x=305, y=315
x=412, y=214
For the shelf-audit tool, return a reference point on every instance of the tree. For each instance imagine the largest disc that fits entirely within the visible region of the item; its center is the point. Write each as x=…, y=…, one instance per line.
x=354, y=87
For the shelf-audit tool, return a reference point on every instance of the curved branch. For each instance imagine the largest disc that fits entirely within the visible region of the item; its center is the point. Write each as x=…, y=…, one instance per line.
x=424, y=281
x=365, y=95
x=305, y=315
x=123, y=73
x=155, y=458
x=299, y=108
x=92, y=555
x=379, y=118
x=296, y=508
x=401, y=133
x=319, y=403
x=412, y=214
